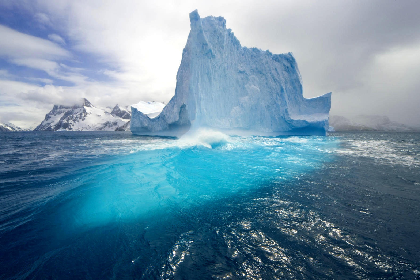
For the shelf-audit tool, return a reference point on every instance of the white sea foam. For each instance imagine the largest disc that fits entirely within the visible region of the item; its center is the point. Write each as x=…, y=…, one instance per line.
x=383, y=151
x=204, y=137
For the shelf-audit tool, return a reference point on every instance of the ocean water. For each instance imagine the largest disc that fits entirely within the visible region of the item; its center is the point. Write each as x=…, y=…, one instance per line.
x=99, y=205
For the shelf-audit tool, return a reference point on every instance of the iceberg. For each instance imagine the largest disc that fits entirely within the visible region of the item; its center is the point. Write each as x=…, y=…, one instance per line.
x=242, y=91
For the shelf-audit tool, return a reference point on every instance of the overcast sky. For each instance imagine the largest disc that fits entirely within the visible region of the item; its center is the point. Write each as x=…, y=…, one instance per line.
x=56, y=51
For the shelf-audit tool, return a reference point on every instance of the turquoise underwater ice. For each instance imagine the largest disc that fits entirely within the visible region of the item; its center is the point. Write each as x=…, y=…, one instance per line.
x=195, y=169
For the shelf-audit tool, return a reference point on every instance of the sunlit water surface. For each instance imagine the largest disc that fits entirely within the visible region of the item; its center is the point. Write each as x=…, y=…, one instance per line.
x=208, y=206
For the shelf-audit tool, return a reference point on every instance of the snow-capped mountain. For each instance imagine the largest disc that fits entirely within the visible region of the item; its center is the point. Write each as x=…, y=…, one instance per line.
x=8, y=127
x=85, y=117
x=367, y=123
x=121, y=112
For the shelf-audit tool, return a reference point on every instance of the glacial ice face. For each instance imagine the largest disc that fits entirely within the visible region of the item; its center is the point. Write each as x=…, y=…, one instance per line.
x=225, y=86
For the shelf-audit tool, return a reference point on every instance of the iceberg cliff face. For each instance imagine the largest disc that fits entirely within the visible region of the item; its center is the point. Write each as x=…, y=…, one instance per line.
x=225, y=86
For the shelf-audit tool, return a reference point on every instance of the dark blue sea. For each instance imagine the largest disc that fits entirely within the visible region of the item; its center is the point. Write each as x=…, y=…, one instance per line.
x=101, y=205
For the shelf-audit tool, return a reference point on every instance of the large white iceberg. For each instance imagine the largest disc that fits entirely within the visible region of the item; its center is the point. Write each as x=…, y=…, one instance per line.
x=239, y=90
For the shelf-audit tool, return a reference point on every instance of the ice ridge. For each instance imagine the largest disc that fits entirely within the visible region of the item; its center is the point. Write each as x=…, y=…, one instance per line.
x=225, y=86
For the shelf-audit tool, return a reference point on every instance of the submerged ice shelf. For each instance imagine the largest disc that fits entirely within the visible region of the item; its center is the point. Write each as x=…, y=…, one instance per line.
x=239, y=90
x=201, y=167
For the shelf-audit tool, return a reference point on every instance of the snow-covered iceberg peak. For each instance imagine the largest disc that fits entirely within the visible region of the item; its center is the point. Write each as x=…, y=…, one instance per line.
x=225, y=86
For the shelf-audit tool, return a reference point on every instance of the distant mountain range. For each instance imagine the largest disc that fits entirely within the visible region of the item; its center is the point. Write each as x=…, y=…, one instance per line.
x=367, y=123
x=86, y=117
x=9, y=127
